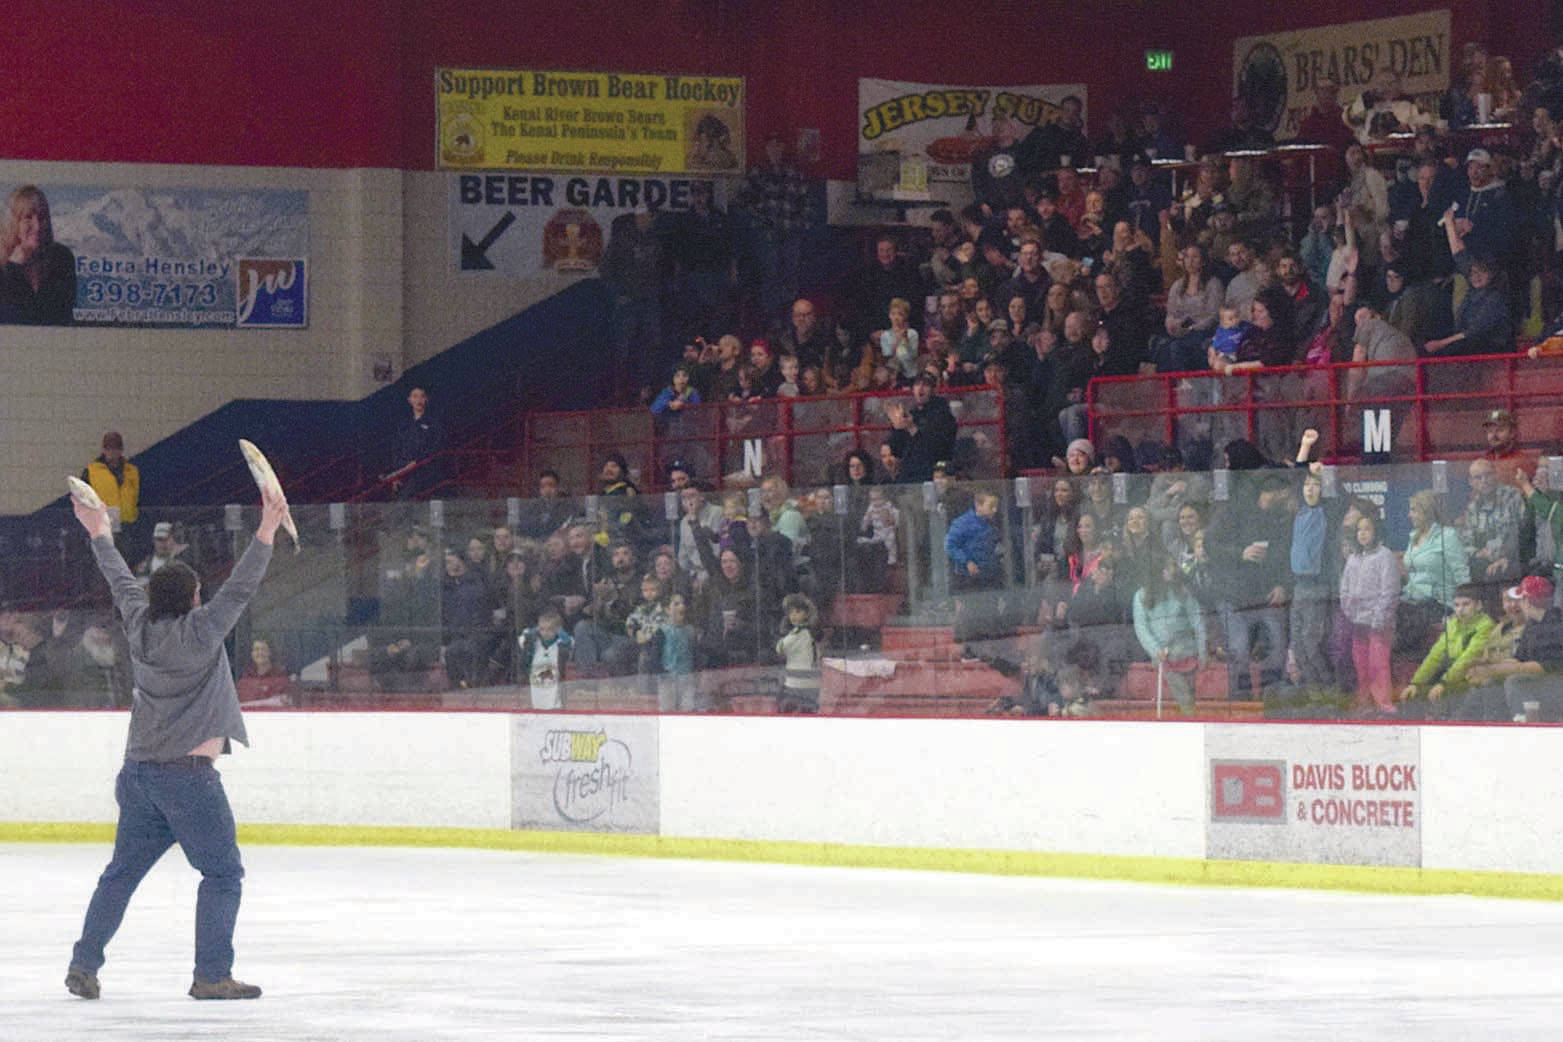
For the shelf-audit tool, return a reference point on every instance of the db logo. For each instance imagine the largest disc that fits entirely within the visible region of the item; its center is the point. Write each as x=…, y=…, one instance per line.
x=1248, y=791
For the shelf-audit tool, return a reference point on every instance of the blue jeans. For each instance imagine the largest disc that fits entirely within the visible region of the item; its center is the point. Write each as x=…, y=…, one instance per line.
x=1239, y=624
x=160, y=805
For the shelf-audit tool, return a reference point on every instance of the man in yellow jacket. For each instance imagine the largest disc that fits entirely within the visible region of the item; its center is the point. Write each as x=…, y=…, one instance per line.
x=116, y=481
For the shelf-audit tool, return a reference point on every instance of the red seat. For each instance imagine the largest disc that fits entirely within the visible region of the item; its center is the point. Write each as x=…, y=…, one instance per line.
x=1140, y=682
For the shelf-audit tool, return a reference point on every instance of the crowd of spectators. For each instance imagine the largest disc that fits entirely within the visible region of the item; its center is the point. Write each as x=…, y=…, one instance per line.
x=1426, y=243
x=1297, y=596
x=611, y=587
x=1051, y=277
x=1310, y=602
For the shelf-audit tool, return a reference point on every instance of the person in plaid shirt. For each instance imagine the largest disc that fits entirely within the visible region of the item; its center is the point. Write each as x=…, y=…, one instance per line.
x=776, y=201
x=1490, y=526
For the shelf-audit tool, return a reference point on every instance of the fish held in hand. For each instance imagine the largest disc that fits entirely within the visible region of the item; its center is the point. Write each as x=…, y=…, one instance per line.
x=83, y=493
x=266, y=479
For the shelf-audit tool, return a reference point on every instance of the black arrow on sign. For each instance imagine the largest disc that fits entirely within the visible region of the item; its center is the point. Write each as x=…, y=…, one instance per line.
x=474, y=255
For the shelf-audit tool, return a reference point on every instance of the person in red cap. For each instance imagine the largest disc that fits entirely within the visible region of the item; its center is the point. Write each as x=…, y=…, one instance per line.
x=1538, y=659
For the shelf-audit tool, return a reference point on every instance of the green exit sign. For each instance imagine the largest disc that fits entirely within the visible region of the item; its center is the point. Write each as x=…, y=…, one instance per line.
x=1158, y=61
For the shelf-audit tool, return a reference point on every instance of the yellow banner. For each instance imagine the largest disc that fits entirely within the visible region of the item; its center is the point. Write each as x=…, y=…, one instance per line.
x=1278, y=72
x=597, y=122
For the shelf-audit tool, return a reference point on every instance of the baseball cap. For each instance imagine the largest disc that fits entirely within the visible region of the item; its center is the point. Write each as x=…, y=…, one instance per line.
x=1478, y=155
x=1497, y=417
x=162, y=530
x=1534, y=588
x=998, y=324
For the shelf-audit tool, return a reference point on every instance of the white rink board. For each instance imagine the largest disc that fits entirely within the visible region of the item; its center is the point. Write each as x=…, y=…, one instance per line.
x=1491, y=798
x=1315, y=795
x=408, y=769
x=584, y=773
x=1034, y=785
x=1497, y=801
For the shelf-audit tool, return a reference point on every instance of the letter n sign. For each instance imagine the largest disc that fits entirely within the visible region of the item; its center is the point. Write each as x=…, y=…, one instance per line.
x=1377, y=431
x=1248, y=791
x=754, y=457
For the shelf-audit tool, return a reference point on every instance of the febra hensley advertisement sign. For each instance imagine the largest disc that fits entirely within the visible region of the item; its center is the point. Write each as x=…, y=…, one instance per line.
x=127, y=255
x=585, y=773
x=1329, y=796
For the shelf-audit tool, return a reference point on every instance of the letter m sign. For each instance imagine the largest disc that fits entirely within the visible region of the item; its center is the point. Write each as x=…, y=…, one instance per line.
x=1377, y=431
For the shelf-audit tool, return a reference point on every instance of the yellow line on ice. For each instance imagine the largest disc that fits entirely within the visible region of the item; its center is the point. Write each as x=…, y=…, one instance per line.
x=1179, y=871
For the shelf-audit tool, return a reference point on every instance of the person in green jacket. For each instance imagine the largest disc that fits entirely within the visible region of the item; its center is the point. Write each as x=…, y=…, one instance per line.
x=1438, y=684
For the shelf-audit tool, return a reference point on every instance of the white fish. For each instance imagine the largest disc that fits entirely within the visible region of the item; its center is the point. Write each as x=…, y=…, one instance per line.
x=83, y=493
x=266, y=478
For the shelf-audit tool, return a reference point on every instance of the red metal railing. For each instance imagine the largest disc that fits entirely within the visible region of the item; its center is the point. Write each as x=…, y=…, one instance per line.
x=1438, y=403
x=803, y=439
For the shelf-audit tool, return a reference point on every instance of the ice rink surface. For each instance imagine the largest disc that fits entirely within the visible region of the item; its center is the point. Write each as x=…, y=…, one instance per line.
x=391, y=944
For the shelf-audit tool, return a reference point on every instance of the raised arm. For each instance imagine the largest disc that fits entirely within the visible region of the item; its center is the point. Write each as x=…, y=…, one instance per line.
x=228, y=603
x=128, y=595
x=1451, y=232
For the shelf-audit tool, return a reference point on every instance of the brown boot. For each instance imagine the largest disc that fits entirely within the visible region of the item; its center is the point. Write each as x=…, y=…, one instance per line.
x=227, y=988
x=81, y=983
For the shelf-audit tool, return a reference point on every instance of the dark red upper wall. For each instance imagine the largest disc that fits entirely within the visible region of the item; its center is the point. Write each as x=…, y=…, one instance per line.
x=288, y=82
x=349, y=83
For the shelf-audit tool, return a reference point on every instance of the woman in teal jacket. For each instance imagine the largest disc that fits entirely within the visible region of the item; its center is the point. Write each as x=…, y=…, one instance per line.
x=1171, y=629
